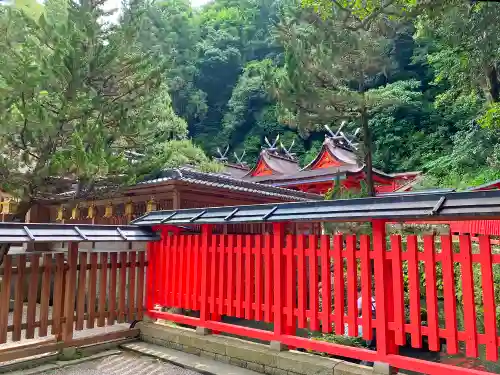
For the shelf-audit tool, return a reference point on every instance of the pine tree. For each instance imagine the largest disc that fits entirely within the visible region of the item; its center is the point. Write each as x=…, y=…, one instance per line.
x=77, y=98
x=330, y=73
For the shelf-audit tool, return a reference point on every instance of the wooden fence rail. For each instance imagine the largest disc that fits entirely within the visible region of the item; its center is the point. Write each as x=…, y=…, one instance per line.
x=55, y=294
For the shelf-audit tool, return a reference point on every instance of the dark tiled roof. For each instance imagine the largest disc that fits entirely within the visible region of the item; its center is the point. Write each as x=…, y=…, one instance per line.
x=225, y=182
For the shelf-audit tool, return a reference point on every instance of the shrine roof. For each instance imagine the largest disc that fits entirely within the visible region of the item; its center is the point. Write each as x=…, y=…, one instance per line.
x=339, y=153
x=492, y=185
x=272, y=163
x=319, y=175
x=235, y=170
x=219, y=180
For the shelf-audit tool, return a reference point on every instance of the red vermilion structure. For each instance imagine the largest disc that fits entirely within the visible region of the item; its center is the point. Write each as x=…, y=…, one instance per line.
x=299, y=281
x=336, y=161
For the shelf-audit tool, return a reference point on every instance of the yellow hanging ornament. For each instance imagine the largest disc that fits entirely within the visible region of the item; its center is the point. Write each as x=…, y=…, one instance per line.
x=151, y=206
x=91, y=211
x=5, y=206
x=75, y=213
x=60, y=213
x=108, y=211
x=129, y=208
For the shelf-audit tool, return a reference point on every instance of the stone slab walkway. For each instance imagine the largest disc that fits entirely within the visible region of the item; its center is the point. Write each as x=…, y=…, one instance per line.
x=190, y=361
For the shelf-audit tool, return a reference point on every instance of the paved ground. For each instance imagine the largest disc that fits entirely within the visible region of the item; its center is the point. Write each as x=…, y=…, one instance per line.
x=122, y=364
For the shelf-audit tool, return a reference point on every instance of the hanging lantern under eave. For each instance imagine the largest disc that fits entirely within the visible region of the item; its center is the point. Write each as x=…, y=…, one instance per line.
x=91, y=211
x=5, y=207
x=75, y=213
x=129, y=208
x=60, y=213
x=151, y=205
x=108, y=211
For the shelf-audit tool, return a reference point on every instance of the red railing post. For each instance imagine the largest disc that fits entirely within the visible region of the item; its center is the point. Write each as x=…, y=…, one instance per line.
x=384, y=294
x=278, y=276
x=206, y=237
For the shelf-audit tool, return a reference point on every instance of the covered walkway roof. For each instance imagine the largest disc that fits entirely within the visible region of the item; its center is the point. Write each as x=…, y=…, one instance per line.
x=434, y=206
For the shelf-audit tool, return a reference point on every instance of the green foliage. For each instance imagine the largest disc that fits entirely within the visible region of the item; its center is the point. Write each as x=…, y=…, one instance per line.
x=424, y=75
x=80, y=103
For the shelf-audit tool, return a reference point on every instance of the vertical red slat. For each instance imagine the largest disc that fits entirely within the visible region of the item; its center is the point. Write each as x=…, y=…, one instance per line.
x=490, y=326
x=213, y=273
x=175, y=269
x=399, y=303
x=338, y=284
x=383, y=294
x=197, y=273
x=58, y=295
x=289, y=287
x=470, y=322
x=166, y=246
x=431, y=294
x=352, y=292
x=182, y=270
x=258, y=277
x=161, y=271
x=450, y=298
x=268, y=287
x=326, y=284
x=230, y=274
x=159, y=250
x=366, y=287
x=188, y=291
x=149, y=277
x=222, y=273
x=239, y=276
x=414, y=291
x=278, y=244
x=313, y=282
x=248, y=277
x=301, y=266
x=206, y=235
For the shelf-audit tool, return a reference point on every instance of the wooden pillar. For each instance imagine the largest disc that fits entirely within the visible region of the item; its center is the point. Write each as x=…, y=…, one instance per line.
x=69, y=293
x=176, y=199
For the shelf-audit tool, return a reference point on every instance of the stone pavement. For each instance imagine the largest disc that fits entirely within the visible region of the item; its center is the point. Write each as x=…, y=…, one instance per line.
x=137, y=358
x=122, y=364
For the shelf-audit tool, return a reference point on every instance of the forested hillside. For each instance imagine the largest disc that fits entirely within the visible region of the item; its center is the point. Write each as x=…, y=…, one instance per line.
x=78, y=87
x=245, y=69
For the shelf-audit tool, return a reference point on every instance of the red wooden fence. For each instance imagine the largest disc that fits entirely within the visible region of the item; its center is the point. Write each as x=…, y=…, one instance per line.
x=309, y=281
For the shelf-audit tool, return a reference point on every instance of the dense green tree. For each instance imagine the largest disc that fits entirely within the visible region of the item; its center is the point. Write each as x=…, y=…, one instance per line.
x=79, y=105
x=331, y=73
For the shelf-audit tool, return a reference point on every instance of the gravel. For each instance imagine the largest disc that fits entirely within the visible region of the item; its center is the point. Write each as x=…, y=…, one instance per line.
x=123, y=364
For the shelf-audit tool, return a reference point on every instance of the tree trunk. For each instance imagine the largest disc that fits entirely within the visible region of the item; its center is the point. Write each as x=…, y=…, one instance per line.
x=493, y=84
x=19, y=216
x=367, y=145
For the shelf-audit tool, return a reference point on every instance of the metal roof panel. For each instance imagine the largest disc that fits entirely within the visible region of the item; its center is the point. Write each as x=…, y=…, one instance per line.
x=404, y=207
x=27, y=232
